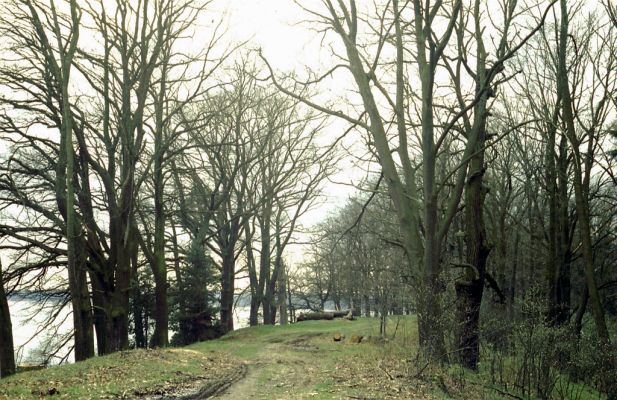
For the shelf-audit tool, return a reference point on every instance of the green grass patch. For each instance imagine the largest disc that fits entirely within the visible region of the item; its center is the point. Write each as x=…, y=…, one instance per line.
x=120, y=375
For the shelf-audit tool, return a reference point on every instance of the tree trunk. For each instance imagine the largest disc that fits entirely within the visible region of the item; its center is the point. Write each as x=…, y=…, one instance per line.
x=160, y=337
x=253, y=280
x=141, y=338
x=254, y=311
x=83, y=318
x=430, y=329
x=581, y=186
x=227, y=290
x=101, y=308
x=161, y=313
x=7, y=353
x=580, y=313
x=66, y=180
x=119, y=307
x=469, y=292
x=314, y=316
x=282, y=296
x=558, y=266
x=265, y=262
x=564, y=251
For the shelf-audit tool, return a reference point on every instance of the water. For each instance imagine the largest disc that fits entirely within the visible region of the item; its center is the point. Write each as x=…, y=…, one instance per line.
x=33, y=331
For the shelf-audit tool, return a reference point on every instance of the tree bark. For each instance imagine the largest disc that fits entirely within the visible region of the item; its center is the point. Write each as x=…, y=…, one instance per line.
x=227, y=290
x=7, y=352
x=469, y=292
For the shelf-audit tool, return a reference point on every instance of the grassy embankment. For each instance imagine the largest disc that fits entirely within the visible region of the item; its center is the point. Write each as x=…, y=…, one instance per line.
x=299, y=361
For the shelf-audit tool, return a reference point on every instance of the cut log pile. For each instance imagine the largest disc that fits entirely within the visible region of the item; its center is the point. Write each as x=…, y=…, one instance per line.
x=326, y=315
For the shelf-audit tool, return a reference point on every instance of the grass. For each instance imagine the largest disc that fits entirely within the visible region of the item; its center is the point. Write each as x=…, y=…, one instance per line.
x=119, y=375
x=299, y=361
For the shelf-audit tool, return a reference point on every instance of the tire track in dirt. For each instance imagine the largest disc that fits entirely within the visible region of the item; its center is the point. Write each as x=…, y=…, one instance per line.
x=283, y=361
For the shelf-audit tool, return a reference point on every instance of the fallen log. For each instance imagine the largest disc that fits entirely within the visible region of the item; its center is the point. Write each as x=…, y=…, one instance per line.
x=325, y=315
x=340, y=314
x=314, y=316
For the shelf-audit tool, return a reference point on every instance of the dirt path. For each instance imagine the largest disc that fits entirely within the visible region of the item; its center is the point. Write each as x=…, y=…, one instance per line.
x=277, y=372
x=245, y=388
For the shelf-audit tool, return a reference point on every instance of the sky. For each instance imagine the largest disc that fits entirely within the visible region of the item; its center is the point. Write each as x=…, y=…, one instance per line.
x=280, y=30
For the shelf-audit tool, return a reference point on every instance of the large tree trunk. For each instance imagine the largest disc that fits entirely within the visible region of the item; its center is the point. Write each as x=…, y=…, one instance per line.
x=564, y=251
x=282, y=296
x=273, y=282
x=558, y=266
x=66, y=180
x=161, y=319
x=253, y=280
x=254, y=311
x=101, y=311
x=119, y=308
x=83, y=318
x=7, y=353
x=161, y=313
x=265, y=263
x=227, y=290
x=469, y=292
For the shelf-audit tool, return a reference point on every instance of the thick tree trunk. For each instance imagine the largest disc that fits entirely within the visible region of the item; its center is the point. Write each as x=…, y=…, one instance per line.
x=469, y=292
x=101, y=307
x=161, y=319
x=119, y=313
x=580, y=313
x=161, y=312
x=227, y=290
x=66, y=181
x=265, y=264
x=83, y=318
x=7, y=352
x=274, y=281
x=254, y=311
x=282, y=296
x=558, y=266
